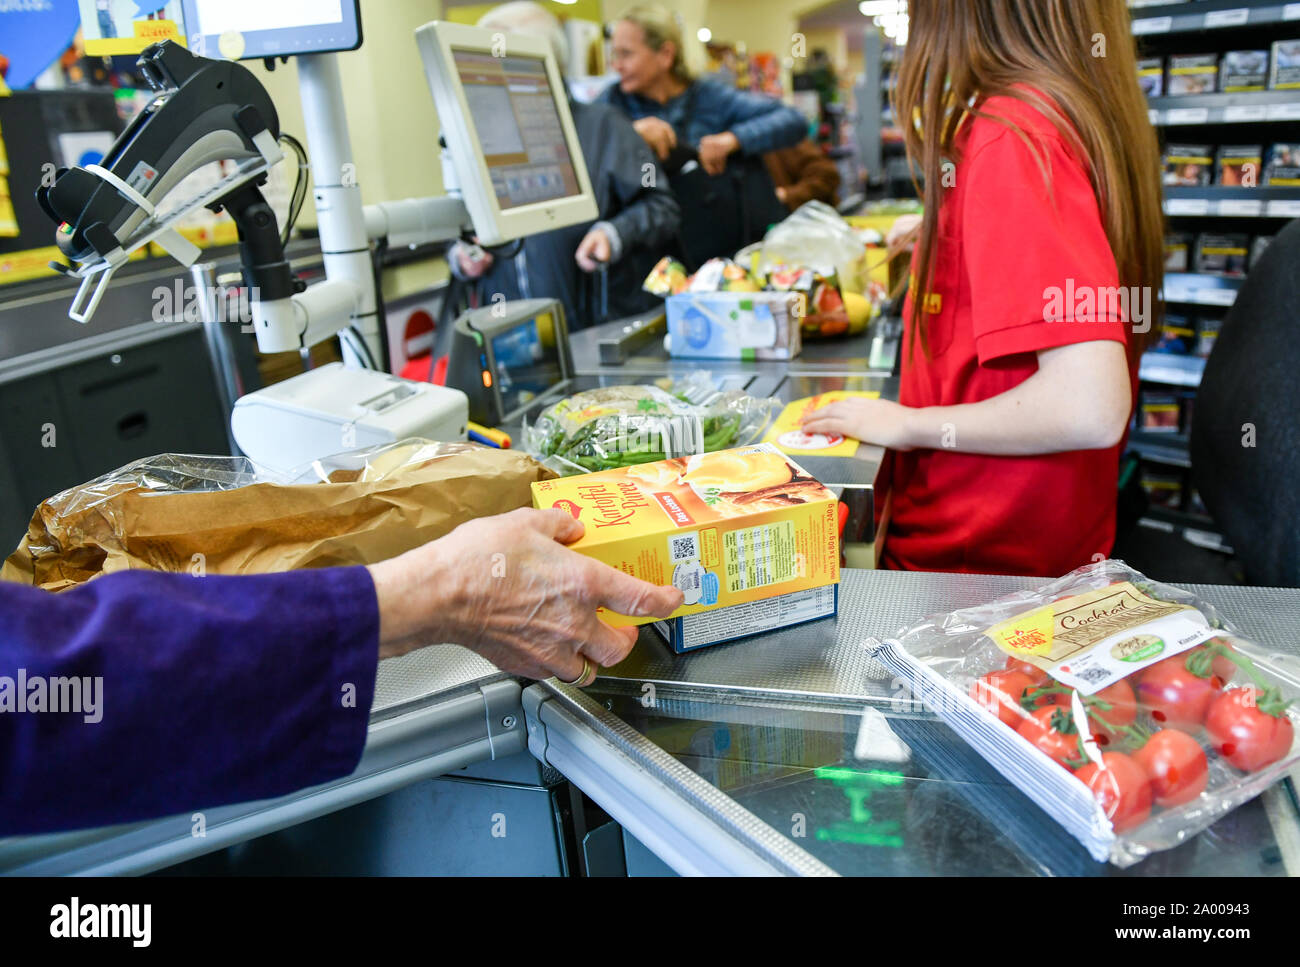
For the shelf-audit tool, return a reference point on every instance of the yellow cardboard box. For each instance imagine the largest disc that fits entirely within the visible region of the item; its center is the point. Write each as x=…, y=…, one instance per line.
x=726, y=528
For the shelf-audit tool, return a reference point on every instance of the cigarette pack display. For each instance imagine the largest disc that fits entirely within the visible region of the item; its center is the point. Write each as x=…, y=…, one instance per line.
x=695, y=631
x=1207, y=331
x=1244, y=70
x=1258, y=247
x=1188, y=165
x=1285, y=72
x=726, y=528
x=1282, y=169
x=1225, y=255
x=1193, y=74
x=1240, y=165
x=1130, y=711
x=1151, y=76
x=1178, y=335
x=1178, y=252
x=1159, y=413
x=1164, y=489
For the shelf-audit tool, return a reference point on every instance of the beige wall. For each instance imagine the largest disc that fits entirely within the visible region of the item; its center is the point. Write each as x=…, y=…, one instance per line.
x=391, y=120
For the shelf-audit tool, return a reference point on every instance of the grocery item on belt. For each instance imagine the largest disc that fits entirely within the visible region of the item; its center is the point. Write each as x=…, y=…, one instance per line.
x=726, y=528
x=1193, y=74
x=695, y=631
x=619, y=426
x=1188, y=165
x=1244, y=70
x=226, y=515
x=722, y=275
x=735, y=325
x=668, y=277
x=1128, y=709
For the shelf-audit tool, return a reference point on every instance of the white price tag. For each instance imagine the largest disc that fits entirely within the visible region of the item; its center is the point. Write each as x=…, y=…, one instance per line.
x=1252, y=207
x=1187, y=206
x=1187, y=115
x=1252, y=112
x=1284, y=208
x=1227, y=18
x=1291, y=11
x=1216, y=297
x=1153, y=25
x=1284, y=112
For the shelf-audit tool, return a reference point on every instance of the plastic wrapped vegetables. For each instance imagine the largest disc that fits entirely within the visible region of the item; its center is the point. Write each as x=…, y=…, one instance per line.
x=622, y=426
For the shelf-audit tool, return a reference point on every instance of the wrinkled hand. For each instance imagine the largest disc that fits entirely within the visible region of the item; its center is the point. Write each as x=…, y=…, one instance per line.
x=657, y=133
x=881, y=422
x=472, y=268
x=507, y=588
x=592, y=250
x=714, y=149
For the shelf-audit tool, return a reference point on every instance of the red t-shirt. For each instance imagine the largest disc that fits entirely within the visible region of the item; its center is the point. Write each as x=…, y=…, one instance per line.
x=1012, y=247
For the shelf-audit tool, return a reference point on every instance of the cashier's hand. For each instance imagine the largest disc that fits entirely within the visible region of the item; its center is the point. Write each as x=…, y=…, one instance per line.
x=882, y=422
x=592, y=250
x=714, y=150
x=658, y=134
x=903, y=233
x=507, y=588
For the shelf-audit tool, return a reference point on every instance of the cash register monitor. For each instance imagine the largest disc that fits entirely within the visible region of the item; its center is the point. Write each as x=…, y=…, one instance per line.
x=246, y=29
x=505, y=119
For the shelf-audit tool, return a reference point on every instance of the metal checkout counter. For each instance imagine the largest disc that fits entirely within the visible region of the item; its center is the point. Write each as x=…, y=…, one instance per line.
x=745, y=758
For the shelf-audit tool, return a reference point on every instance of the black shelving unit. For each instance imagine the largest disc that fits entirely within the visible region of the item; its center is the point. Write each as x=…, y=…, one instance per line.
x=1210, y=15
x=1227, y=118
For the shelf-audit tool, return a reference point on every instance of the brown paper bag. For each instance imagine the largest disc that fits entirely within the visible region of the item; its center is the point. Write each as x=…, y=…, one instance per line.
x=221, y=515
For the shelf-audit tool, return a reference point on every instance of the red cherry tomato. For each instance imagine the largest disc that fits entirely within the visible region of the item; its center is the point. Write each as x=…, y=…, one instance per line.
x=1116, y=704
x=1060, y=746
x=1036, y=674
x=1174, y=696
x=999, y=693
x=1224, y=667
x=1247, y=737
x=1176, y=765
x=1121, y=786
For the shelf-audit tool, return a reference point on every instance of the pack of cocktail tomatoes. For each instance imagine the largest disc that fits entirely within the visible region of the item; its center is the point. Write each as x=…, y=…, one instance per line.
x=1131, y=711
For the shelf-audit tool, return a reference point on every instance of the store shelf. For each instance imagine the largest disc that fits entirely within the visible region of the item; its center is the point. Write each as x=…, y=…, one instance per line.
x=1169, y=449
x=1240, y=108
x=1220, y=201
x=1181, y=18
x=1190, y=288
x=1193, y=528
x=1171, y=369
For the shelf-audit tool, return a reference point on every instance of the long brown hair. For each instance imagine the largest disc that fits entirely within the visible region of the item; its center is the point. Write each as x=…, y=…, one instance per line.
x=1081, y=55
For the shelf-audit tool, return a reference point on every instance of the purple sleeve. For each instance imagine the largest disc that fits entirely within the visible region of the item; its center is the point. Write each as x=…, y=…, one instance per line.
x=144, y=694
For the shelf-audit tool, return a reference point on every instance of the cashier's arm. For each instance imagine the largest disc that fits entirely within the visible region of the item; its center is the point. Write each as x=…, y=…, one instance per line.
x=1080, y=399
x=508, y=588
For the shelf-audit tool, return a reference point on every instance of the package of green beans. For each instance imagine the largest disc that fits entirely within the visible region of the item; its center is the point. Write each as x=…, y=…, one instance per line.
x=622, y=426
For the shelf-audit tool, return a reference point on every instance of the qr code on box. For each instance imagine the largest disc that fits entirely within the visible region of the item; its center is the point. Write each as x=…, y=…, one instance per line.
x=684, y=547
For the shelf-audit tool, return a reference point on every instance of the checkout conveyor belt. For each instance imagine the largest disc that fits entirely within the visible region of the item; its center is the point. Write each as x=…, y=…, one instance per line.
x=443, y=708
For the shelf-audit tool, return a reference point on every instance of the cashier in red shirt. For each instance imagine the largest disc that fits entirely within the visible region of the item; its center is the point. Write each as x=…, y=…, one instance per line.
x=1042, y=251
